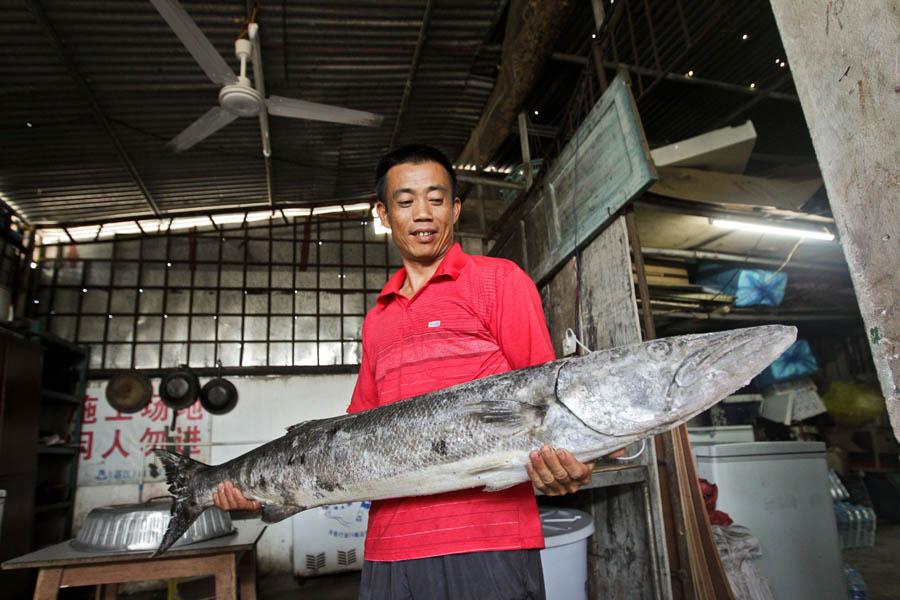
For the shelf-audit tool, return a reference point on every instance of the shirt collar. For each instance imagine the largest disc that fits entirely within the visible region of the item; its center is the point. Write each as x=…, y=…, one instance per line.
x=451, y=266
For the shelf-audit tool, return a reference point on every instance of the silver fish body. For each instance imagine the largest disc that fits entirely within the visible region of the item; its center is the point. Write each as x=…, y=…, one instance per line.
x=479, y=434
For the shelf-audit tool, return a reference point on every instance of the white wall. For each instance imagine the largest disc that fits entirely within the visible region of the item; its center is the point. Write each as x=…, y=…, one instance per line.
x=265, y=408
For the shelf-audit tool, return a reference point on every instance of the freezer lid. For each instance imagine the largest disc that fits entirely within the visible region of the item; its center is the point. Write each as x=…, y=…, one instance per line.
x=758, y=449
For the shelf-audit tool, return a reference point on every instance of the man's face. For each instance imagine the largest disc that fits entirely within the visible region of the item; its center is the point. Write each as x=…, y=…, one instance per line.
x=420, y=211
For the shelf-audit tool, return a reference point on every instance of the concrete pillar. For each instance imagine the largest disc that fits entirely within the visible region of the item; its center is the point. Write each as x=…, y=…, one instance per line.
x=844, y=56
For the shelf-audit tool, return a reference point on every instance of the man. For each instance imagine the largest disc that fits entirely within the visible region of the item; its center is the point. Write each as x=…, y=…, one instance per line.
x=443, y=319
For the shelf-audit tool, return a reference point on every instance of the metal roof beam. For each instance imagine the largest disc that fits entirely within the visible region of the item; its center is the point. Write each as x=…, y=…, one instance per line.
x=44, y=23
x=414, y=66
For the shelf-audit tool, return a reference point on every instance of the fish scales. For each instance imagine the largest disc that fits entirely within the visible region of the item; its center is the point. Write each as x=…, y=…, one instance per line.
x=479, y=434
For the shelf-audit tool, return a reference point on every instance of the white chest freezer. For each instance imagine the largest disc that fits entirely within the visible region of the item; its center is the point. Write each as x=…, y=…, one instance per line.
x=779, y=490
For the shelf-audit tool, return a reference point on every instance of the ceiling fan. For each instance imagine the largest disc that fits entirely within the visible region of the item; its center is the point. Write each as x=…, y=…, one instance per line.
x=238, y=98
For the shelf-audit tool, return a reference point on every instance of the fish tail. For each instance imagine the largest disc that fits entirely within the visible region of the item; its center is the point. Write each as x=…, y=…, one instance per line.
x=181, y=473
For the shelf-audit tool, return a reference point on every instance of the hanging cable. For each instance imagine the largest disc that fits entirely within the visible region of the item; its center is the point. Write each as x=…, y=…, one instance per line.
x=634, y=456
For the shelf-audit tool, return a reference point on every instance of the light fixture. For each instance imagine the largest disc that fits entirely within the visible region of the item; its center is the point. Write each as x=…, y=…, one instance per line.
x=781, y=64
x=165, y=316
x=37, y=301
x=168, y=265
x=772, y=229
x=536, y=113
x=593, y=36
x=777, y=61
x=690, y=73
x=745, y=36
x=140, y=290
x=33, y=265
x=28, y=124
x=752, y=86
x=109, y=316
x=84, y=290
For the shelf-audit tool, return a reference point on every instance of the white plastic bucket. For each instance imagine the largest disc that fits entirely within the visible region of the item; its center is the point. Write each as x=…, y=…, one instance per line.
x=564, y=557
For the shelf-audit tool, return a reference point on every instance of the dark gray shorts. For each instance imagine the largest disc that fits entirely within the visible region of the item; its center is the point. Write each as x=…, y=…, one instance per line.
x=503, y=575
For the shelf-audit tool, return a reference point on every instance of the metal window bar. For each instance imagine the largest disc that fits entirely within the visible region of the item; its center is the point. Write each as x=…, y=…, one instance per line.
x=171, y=339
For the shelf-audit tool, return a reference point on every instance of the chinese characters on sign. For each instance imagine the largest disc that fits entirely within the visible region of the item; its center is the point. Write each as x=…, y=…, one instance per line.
x=118, y=448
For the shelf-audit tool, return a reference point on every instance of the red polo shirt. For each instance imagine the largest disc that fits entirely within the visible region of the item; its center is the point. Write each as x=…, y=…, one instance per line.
x=475, y=317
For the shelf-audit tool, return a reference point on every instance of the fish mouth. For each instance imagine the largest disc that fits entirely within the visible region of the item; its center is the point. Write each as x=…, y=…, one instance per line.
x=646, y=388
x=721, y=364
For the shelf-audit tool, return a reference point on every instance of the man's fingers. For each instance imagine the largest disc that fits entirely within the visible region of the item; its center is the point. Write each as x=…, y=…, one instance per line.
x=535, y=478
x=575, y=468
x=551, y=459
x=540, y=467
x=227, y=497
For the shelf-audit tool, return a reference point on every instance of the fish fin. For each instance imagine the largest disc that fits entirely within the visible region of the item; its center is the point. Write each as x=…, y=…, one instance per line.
x=302, y=424
x=510, y=413
x=180, y=474
x=500, y=485
x=273, y=513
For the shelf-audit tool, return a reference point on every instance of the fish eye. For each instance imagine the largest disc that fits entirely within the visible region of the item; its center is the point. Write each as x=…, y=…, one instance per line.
x=659, y=349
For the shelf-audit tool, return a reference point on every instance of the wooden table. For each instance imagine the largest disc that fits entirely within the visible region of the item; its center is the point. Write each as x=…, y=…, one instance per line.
x=227, y=558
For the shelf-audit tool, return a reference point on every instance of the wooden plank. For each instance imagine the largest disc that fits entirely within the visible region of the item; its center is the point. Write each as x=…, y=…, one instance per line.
x=727, y=149
x=48, y=583
x=90, y=574
x=247, y=575
x=845, y=67
x=226, y=578
x=623, y=528
x=728, y=188
x=558, y=298
x=607, y=304
x=603, y=166
x=62, y=554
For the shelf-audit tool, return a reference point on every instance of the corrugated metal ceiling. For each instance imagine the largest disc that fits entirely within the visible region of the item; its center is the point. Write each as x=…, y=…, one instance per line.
x=58, y=165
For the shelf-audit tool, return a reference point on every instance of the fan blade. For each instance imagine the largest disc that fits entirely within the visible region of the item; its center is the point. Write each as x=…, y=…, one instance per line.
x=301, y=109
x=215, y=119
x=196, y=43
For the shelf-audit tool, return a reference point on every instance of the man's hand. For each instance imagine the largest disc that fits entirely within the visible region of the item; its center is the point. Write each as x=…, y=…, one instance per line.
x=227, y=497
x=557, y=472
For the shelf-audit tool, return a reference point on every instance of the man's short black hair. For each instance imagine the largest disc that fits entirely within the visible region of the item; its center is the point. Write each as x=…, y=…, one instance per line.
x=415, y=154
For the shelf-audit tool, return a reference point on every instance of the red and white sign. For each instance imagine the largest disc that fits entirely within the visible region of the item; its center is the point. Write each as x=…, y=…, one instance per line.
x=117, y=448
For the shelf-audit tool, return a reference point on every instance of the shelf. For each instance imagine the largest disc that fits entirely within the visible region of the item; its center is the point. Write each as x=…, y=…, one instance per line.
x=57, y=449
x=60, y=397
x=43, y=508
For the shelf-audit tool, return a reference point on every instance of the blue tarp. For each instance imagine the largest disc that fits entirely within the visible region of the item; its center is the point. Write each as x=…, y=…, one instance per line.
x=796, y=361
x=750, y=287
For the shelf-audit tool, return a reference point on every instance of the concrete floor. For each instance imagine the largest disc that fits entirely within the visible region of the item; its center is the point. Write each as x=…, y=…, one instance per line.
x=879, y=565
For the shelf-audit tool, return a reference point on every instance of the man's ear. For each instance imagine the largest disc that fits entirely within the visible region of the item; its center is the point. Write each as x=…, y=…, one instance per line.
x=457, y=208
x=383, y=214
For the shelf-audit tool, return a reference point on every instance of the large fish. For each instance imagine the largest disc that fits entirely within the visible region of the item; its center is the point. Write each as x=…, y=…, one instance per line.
x=479, y=434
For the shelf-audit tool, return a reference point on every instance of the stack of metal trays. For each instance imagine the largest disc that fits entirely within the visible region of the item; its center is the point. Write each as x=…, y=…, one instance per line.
x=130, y=527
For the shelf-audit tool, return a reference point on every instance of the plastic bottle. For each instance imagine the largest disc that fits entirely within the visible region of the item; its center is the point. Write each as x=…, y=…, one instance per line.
x=840, y=515
x=856, y=585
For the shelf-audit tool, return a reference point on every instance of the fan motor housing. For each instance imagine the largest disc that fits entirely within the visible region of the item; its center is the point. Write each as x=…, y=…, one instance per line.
x=240, y=99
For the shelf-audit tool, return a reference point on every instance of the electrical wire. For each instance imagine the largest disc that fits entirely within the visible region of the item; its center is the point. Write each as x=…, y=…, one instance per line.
x=634, y=456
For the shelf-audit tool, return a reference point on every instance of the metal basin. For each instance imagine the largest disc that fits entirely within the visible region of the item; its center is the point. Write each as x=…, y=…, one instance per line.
x=141, y=527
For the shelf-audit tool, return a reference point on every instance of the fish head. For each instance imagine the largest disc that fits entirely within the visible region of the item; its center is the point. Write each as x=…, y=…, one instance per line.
x=645, y=388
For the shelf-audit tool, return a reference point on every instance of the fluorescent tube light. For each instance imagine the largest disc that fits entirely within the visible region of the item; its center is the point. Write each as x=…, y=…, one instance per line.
x=772, y=229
